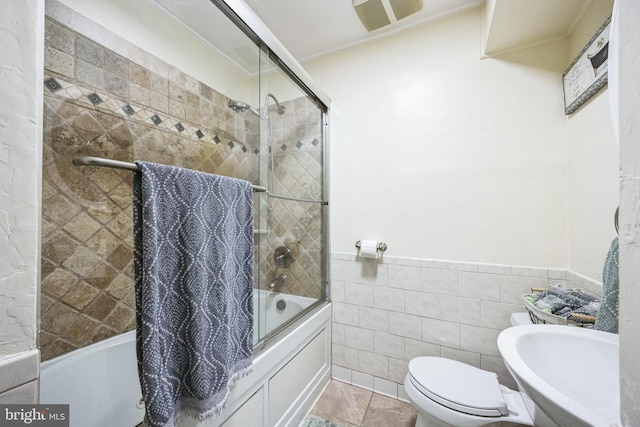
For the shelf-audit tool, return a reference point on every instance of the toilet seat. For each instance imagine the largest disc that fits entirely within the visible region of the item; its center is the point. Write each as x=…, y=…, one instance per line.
x=440, y=380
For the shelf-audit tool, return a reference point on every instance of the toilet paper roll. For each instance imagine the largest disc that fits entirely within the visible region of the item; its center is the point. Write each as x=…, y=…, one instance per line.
x=369, y=249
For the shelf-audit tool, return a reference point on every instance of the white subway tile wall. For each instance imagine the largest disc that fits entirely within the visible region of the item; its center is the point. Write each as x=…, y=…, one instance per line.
x=388, y=311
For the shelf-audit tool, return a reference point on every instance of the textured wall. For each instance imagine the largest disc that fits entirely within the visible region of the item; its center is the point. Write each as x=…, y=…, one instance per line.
x=21, y=33
x=629, y=212
x=445, y=155
x=593, y=171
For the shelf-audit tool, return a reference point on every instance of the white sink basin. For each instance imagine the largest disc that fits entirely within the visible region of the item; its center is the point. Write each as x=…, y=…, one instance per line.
x=571, y=373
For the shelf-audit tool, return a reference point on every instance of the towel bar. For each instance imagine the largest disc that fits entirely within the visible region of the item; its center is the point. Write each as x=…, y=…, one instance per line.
x=117, y=164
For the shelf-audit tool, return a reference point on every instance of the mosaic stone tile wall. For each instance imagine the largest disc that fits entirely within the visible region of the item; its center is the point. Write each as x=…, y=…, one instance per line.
x=298, y=163
x=99, y=103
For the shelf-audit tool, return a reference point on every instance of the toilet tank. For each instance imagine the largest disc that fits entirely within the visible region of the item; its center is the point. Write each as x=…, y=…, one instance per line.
x=519, y=319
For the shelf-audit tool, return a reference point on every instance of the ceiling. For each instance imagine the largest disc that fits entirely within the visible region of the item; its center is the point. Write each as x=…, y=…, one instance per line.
x=308, y=28
x=520, y=23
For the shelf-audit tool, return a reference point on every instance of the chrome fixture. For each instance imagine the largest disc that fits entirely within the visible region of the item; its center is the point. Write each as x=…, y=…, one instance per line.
x=238, y=106
x=282, y=257
x=117, y=164
x=241, y=107
x=280, y=107
x=381, y=246
x=281, y=280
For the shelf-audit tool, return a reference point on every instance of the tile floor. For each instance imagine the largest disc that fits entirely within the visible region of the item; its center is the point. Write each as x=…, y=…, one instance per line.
x=349, y=406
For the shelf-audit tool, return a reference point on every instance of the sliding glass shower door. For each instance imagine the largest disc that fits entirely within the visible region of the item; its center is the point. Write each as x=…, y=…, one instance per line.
x=291, y=214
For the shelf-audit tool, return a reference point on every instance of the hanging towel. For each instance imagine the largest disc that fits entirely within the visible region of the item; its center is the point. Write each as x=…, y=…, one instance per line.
x=607, y=317
x=193, y=262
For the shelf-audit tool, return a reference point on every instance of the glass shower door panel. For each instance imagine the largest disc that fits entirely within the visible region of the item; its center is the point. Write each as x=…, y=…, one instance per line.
x=291, y=136
x=296, y=226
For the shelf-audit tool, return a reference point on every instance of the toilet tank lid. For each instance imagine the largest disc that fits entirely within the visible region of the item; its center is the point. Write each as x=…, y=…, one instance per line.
x=518, y=319
x=459, y=386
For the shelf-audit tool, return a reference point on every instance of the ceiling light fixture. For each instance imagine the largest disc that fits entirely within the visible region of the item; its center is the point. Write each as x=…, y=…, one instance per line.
x=376, y=14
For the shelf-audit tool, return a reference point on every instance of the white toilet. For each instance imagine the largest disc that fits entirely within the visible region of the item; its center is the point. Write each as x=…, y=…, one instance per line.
x=449, y=393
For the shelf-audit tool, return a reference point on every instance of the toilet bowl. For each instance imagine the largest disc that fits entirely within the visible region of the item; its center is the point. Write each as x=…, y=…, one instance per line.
x=448, y=393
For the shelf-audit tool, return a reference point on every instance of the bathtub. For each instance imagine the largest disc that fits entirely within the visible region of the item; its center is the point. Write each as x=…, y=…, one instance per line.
x=275, y=310
x=100, y=381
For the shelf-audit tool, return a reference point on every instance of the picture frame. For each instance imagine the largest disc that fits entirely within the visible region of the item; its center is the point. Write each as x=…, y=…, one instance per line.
x=588, y=73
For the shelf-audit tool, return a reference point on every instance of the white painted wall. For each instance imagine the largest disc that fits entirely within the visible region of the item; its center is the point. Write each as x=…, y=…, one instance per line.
x=629, y=211
x=21, y=76
x=444, y=155
x=593, y=163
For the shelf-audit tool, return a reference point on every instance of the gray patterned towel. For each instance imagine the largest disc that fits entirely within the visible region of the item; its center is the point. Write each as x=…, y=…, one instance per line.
x=607, y=317
x=193, y=266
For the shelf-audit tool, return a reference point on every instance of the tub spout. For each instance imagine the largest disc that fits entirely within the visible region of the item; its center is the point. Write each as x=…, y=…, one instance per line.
x=280, y=281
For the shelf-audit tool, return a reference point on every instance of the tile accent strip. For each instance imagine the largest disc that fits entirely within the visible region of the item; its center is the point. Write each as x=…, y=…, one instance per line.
x=102, y=101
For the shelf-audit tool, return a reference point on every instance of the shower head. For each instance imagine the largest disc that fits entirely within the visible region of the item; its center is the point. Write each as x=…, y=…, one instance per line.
x=241, y=107
x=280, y=107
x=238, y=106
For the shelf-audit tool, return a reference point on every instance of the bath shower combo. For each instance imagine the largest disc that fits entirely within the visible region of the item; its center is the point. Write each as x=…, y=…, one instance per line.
x=292, y=328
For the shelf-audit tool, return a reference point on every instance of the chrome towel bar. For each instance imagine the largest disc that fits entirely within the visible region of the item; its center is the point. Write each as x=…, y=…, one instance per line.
x=117, y=164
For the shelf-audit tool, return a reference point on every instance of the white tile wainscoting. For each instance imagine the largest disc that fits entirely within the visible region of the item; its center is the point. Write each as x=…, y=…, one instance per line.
x=388, y=311
x=19, y=378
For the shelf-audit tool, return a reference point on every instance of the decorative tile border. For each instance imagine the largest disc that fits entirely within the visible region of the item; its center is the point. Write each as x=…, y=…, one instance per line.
x=104, y=102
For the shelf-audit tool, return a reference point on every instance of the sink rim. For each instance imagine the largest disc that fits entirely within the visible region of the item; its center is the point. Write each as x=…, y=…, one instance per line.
x=552, y=401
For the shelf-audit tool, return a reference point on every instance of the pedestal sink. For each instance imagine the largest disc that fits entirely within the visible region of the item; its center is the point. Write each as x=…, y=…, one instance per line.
x=570, y=373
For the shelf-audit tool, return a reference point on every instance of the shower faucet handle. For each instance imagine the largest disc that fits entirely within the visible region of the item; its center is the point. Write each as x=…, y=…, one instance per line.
x=280, y=281
x=282, y=257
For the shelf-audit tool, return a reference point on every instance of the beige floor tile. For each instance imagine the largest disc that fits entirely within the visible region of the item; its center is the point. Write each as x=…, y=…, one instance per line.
x=331, y=417
x=385, y=412
x=343, y=404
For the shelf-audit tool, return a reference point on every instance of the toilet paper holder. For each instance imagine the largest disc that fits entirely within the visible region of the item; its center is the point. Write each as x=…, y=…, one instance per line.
x=381, y=246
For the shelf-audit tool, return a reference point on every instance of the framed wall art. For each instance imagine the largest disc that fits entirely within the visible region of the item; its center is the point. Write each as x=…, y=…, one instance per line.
x=587, y=74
